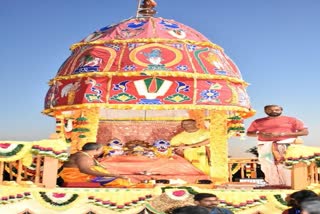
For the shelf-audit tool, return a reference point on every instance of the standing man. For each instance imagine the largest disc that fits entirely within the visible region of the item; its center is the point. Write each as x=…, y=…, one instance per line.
x=191, y=144
x=275, y=133
x=210, y=202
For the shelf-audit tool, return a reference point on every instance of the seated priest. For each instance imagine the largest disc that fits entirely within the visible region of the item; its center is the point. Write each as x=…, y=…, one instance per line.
x=193, y=145
x=83, y=167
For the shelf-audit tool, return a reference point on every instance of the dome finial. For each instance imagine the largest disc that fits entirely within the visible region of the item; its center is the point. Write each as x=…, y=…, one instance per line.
x=145, y=8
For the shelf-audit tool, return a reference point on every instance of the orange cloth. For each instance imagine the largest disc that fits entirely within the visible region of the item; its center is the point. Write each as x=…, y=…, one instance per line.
x=133, y=167
x=74, y=175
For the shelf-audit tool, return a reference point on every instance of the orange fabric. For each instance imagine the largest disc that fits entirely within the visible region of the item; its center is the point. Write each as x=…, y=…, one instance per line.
x=74, y=175
x=133, y=167
x=71, y=175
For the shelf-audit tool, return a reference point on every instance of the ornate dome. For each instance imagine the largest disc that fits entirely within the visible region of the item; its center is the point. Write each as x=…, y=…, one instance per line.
x=148, y=63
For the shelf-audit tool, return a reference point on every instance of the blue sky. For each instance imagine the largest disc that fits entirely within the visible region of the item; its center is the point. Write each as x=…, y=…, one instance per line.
x=275, y=44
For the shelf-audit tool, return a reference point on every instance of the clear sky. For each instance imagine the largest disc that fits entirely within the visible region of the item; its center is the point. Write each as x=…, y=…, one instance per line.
x=275, y=44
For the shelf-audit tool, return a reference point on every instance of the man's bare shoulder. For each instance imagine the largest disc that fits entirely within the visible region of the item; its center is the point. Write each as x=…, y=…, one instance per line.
x=79, y=159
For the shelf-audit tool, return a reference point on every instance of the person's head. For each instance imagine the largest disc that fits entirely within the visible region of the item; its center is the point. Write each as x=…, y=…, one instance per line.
x=296, y=198
x=189, y=125
x=206, y=200
x=190, y=210
x=311, y=206
x=273, y=110
x=95, y=149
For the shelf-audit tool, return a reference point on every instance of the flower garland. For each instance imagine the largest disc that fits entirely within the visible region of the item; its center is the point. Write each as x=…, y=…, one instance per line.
x=219, y=146
x=56, y=148
x=297, y=153
x=112, y=205
x=235, y=201
x=15, y=198
x=8, y=150
x=61, y=155
x=56, y=200
x=235, y=126
x=279, y=201
x=13, y=151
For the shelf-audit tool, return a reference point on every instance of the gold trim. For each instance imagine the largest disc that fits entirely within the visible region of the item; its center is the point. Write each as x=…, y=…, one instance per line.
x=149, y=107
x=148, y=40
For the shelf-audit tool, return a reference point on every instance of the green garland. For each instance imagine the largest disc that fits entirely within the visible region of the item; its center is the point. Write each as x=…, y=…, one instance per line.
x=13, y=152
x=80, y=130
x=280, y=200
x=48, y=200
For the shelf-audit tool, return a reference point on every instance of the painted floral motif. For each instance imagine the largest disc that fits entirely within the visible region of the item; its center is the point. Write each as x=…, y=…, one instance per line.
x=121, y=86
x=210, y=95
x=178, y=33
x=178, y=46
x=123, y=97
x=113, y=46
x=182, y=67
x=136, y=24
x=133, y=29
x=177, y=98
x=129, y=68
x=132, y=46
x=168, y=25
x=181, y=86
x=191, y=47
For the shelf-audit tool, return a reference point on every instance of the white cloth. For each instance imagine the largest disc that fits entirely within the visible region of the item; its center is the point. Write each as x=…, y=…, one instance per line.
x=274, y=174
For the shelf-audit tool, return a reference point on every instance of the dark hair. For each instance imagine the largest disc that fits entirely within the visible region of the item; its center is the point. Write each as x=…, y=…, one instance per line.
x=91, y=146
x=311, y=205
x=200, y=196
x=186, y=120
x=300, y=196
x=190, y=210
x=269, y=106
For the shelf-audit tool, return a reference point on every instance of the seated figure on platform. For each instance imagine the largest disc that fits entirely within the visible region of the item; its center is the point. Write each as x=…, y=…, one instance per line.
x=193, y=145
x=162, y=148
x=137, y=148
x=113, y=148
x=83, y=167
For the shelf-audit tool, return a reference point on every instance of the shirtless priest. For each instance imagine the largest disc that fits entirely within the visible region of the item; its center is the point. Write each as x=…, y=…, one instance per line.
x=83, y=167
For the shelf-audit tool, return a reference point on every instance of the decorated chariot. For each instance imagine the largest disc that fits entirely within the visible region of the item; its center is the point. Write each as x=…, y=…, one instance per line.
x=129, y=85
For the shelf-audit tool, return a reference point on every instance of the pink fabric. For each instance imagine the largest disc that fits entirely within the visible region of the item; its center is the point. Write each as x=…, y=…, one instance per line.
x=154, y=27
x=161, y=168
x=276, y=124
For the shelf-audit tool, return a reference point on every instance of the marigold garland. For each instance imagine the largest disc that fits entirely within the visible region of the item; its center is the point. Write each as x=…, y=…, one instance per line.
x=219, y=146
